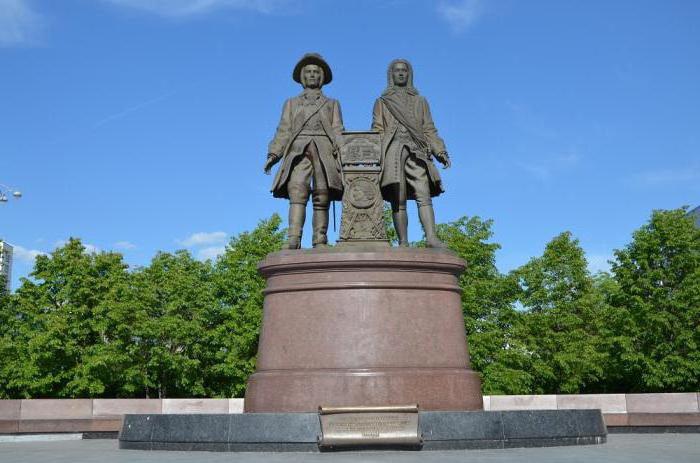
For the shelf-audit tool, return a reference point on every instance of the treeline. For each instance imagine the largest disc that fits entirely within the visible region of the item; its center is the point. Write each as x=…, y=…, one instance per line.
x=84, y=325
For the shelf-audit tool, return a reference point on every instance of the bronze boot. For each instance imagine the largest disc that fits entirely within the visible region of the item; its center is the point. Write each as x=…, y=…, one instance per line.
x=320, y=224
x=401, y=225
x=297, y=215
x=427, y=219
x=321, y=203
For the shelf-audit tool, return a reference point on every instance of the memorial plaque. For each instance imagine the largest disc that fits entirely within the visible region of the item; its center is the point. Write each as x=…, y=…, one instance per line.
x=347, y=427
x=362, y=221
x=361, y=148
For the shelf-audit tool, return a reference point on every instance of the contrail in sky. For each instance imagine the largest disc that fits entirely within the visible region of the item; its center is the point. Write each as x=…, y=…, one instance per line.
x=127, y=111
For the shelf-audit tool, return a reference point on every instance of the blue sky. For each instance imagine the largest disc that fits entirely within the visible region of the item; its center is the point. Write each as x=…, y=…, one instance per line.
x=142, y=125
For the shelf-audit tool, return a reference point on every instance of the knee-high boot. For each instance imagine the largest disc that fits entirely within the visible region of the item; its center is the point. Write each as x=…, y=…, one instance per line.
x=401, y=224
x=297, y=216
x=427, y=219
x=321, y=204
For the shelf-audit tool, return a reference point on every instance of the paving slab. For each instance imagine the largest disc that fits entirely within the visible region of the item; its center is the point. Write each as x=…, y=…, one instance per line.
x=51, y=409
x=9, y=409
x=664, y=419
x=677, y=402
x=9, y=426
x=235, y=405
x=523, y=402
x=78, y=425
x=172, y=406
x=607, y=403
x=621, y=448
x=120, y=407
x=616, y=419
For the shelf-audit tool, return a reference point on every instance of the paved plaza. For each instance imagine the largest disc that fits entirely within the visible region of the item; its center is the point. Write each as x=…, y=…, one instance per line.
x=621, y=448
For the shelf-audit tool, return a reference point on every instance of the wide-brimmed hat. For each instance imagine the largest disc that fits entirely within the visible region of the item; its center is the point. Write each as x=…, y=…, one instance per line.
x=312, y=58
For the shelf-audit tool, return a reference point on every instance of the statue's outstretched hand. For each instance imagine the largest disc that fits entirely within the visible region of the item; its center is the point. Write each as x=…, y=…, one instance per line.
x=444, y=158
x=272, y=159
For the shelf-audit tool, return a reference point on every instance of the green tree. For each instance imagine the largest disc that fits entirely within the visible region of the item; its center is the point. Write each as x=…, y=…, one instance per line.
x=9, y=352
x=615, y=336
x=563, y=319
x=59, y=335
x=487, y=304
x=239, y=289
x=658, y=275
x=174, y=305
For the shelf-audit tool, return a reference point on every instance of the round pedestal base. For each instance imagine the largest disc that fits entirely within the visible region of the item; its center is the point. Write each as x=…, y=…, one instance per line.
x=359, y=328
x=305, y=390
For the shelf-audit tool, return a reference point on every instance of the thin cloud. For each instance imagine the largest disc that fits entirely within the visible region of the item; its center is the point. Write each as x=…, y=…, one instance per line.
x=19, y=23
x=530, y=122
x=460, y=15
x=210, y=253
x=188, y=8
x=204, y=239
x=667, y=177
x=126, y=245
x=544, y=169
x=27, y=256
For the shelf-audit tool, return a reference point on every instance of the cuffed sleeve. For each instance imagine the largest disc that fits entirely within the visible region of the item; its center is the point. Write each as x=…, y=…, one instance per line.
x=283, y=133
x=437, y=145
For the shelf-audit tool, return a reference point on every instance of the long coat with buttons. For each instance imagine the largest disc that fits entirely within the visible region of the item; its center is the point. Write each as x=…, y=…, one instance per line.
x=290, y=143
x=393, y=142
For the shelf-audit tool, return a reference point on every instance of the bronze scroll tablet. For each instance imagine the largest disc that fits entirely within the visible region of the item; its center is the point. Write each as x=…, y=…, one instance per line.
x=369, y=426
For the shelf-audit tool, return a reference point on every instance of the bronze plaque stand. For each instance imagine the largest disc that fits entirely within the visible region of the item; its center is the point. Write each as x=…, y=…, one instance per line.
x=362, y=220
x=362, y=427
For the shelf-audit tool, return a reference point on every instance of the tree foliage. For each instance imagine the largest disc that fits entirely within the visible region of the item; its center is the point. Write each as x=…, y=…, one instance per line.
x=487, y=303
x=562, y=319
x=658, y=275
x=85, y=325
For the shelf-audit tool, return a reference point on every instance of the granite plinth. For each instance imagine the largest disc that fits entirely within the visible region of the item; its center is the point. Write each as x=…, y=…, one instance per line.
x=282, y=432
x=362, y=327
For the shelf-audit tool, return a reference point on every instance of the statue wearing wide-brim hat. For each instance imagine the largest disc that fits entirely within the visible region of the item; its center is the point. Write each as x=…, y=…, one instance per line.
x=306, y=143
x=313, y=58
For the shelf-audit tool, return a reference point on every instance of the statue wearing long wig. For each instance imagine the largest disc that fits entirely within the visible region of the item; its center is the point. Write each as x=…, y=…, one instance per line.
x=410, y=141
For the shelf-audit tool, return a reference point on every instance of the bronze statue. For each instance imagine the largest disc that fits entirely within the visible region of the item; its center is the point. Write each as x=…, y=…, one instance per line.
x=409, y=141
x=306, y=142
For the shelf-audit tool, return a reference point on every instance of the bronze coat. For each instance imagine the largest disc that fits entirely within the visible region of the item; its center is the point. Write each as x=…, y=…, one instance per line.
x=291, y=145
x=386, y=124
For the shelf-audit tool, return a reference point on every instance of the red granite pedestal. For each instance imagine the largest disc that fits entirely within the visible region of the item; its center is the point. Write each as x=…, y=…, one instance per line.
x=361, y=328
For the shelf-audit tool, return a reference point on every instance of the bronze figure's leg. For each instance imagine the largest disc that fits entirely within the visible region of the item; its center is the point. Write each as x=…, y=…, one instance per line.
x=321, y=204
x=417, y=178
x=398, y=204
x=398, y=213
x=320, y=198
x=427, y=219
x=298, y=196
x=298, y=189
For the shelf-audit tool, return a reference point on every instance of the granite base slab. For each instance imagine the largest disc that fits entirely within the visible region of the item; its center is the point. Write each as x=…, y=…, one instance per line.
x=299, y=432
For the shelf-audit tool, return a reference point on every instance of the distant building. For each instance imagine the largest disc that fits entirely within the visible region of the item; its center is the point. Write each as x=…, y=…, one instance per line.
x=695, y=214
x=5, y=264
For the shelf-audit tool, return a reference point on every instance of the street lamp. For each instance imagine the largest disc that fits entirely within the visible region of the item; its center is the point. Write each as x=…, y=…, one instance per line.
x=4, y=190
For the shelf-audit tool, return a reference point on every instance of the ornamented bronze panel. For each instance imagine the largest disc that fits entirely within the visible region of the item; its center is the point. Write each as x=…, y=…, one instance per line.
x=362, y=219
x=343, y=427
x=361, y=148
